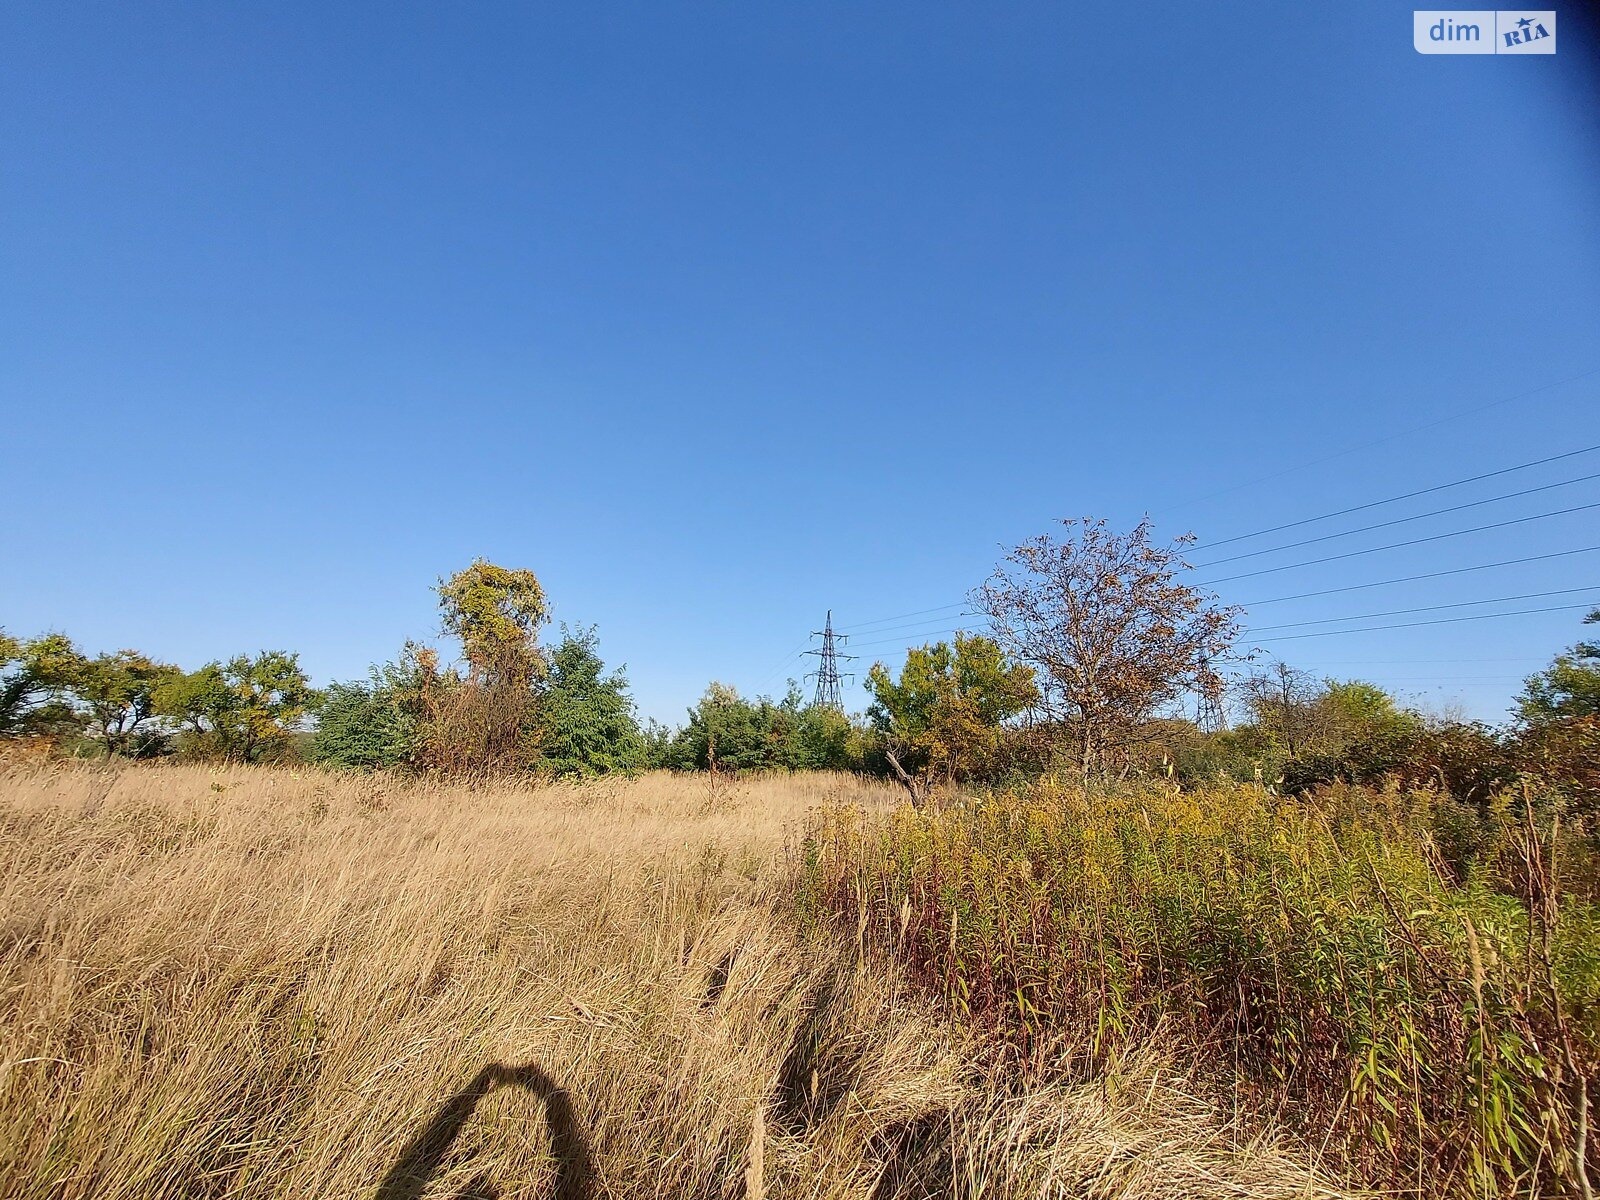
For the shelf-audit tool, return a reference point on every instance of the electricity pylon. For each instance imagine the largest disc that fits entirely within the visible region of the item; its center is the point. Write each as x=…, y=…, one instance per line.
x=1210, y=716
x=829, y=694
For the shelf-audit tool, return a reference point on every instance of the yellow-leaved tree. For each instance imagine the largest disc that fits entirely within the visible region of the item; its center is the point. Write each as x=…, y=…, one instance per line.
x=485, y=723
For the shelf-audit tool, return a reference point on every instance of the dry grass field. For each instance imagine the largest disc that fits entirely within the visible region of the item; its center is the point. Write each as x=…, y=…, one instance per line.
x=282, y=983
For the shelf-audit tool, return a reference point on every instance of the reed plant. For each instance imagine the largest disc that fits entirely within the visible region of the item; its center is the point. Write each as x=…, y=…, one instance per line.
x=1411, y=982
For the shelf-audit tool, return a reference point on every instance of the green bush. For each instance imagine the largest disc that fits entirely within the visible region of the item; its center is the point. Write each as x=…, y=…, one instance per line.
x=363, y=725
x=764, y=735
x=586, y=723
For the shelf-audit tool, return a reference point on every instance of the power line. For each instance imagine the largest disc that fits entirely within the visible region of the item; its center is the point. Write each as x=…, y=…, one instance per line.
x=1524, y=612
x=1385, y=662
x=1249, y=604
x=1356, y=587
x=1397, y=545
x=1400, y=612
x=1445, y=420
x=919, y=633
x=797, y=652
x=883, y=624
x=871, y=625
x=867, y=626
x=1438, y=512
x=1449, y=678
x=910, y=638
x=859, y=625
x=1360, y=617
x=1344, y=512
x=917, y=629
x=915, y=625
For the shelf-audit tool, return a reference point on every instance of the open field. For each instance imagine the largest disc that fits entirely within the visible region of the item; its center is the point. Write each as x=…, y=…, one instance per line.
x=282, y=983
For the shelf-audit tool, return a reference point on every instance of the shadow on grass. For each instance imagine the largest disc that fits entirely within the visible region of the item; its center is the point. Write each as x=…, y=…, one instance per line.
x=423, y=1155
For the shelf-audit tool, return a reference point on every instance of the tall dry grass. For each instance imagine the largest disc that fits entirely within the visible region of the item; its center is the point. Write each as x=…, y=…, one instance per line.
x=290, y=984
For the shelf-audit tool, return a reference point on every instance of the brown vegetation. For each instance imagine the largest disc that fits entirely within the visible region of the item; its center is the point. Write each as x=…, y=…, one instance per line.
x=275, y=983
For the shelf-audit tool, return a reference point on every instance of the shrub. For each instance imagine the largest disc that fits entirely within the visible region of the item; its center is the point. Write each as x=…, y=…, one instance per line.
x=1565, y=756
x=363, y=725
x=1468, y=761
x=586, y=720
x=1428, y=1023
x=761, y=735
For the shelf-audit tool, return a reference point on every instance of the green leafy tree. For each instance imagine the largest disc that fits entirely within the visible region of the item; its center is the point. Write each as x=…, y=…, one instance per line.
x=944, y=718
x=586, y=718
x=34, y=675
x=1568, y=687
x=195, y=702
x=659, y=749
x=725, y=732
x=1363, y=712
x=781, y=728
x=828, y=740
x=368, y=725
x=116, y=695
x=243, y=710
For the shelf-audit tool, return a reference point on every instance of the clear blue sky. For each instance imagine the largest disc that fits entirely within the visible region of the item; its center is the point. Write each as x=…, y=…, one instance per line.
x=717, y=316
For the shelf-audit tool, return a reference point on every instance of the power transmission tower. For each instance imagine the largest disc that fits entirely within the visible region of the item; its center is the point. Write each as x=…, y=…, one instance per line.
x=1209, y=713
x=829, y=694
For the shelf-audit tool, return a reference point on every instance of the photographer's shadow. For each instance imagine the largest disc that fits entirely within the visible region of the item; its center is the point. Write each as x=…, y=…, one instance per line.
x=423, y=1155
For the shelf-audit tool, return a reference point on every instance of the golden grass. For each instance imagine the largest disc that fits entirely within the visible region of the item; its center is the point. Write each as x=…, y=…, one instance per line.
x=293, y=984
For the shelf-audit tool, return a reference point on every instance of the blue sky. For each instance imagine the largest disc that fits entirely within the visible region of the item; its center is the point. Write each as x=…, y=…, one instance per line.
x=718, y=316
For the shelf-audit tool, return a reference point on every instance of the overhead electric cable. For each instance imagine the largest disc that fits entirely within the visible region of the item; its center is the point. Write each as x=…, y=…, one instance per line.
x=1390, y=662
x=1560, y=512
x=918, y=634
x=902, y=616
x=1444, y=420
x=915, y=625
x=1438, y=512
x=1344, y=512
x=1401, y=612
x=797, y=653
x=914, y=638
x=1524, y=612
x=1356, y=587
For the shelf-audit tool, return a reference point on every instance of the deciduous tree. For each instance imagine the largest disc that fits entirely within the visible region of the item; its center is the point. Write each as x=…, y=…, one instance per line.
x=242, y=710
x=116, y=694
x=943, y=718
x=725, y=732
x=1568, y=687
x=1110, y=630
x=1288, y=709
x=586, y=718
x=34, y=673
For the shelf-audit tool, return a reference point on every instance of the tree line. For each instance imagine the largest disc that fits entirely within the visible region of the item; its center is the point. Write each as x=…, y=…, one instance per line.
x=1094, y=643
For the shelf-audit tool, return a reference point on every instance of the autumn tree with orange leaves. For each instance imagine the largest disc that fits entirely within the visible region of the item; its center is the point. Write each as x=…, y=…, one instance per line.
x=1110, y=631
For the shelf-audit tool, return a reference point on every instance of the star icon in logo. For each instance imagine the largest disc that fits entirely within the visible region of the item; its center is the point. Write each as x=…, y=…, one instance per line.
x=1525, y=22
